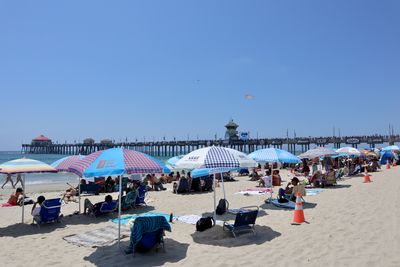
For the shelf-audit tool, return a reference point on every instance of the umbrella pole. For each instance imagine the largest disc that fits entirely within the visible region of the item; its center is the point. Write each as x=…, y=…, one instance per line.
x=79, y=196
x=119, y=211
x=23, y=200
x=223, y=186
x=215, y=199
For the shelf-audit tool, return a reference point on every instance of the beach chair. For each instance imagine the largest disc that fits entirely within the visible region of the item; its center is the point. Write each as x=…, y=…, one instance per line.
x=141, y=195
x=49, y=211
x=90, y=188
x=244, y=221
x=147, y=233
x=105, y=207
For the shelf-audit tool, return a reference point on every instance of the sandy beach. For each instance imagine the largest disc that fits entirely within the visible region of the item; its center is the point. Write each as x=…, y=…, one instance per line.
x=352, y=224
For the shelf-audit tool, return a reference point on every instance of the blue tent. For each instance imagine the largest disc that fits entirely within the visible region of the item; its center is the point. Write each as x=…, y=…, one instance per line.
x=385, y=156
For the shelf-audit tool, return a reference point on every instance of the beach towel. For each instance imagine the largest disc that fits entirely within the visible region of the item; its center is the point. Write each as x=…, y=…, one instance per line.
x=255, y=191
x=128, y=220
x=190, y=219
x=313, y=192
x=98, y=238
x=287, y=205
x=4, y=205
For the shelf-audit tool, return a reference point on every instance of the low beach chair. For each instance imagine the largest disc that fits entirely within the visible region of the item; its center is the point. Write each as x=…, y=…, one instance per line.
x=49, y=211
x=147, y=233
x=105, y=208
x=244, y=221
x=141, y=195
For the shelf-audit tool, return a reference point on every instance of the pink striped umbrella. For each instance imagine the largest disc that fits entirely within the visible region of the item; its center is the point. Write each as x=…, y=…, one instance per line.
x=63, y=164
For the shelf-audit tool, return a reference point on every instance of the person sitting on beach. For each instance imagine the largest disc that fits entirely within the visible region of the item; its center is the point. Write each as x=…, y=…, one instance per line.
x=128, y=201
x=37, y=207
x=89, y=207
x=17, y=198
x=8, y=179
x=254, y=175
x=266, y=181
x=155, y=183
x=289, y=189
x=109, y=184
x=69, y=194
x=276, y=178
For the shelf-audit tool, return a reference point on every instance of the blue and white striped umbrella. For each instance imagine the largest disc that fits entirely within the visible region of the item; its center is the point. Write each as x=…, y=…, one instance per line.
x=215, y=160
x=211, y=157
x=273, y=155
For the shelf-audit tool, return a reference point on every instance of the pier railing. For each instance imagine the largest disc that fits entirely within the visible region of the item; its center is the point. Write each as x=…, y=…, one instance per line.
x=173, y=148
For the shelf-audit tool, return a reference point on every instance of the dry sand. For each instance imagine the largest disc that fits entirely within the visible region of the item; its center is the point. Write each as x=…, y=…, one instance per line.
x=354, y=224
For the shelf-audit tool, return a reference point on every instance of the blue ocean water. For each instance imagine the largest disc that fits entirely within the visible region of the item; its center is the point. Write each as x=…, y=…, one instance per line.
x=40, y=178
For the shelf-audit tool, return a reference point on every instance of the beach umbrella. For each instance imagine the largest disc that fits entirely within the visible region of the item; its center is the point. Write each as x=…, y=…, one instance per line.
x=23, y=166
x=390, y=148
x=62, y=165
x=273, y=155
x=217, y=160
x=317, y=153
x=349, y=151
x=116, y=162
x=171, y=161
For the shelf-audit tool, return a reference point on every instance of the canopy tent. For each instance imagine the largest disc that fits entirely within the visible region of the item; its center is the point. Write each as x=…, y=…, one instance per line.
x=117, y=162
x=273, y=155
x=386, y=156
x=23, y=166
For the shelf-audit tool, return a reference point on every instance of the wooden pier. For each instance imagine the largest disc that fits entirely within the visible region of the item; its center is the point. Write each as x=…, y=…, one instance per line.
x=173, y=148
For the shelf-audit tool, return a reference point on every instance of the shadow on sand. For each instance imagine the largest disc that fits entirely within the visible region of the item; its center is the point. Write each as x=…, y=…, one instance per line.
x=16, y=230
x=306, y=205
x=216, y=236
x=113, y=256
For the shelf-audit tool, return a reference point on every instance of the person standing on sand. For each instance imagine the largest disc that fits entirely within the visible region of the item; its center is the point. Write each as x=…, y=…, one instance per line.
x=19, y=180
x=8, y=179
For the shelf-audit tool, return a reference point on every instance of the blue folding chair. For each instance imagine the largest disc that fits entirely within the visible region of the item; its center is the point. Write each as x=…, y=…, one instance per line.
x=49, y=211
x=105, y=207
x=244, y=221
x=142, y=191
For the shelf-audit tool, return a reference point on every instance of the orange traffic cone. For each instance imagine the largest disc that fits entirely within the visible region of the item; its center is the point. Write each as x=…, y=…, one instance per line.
x=387, y=164
x=366, y=177
x=298, y=211
x=394, y=163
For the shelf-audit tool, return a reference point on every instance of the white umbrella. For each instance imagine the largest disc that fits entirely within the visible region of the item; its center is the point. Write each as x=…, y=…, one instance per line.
x=218, y=159
x=350, y=151
x=318, y=152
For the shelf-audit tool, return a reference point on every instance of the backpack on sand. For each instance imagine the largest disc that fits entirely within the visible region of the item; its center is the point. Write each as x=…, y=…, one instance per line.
x=222, y=207
x=205, y=223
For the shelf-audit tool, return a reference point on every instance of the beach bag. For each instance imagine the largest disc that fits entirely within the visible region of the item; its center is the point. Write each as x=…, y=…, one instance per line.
x=222, y=207
x=204, y=223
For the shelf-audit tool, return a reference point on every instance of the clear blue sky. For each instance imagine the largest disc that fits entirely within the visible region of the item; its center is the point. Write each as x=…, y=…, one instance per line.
x=117, y=69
